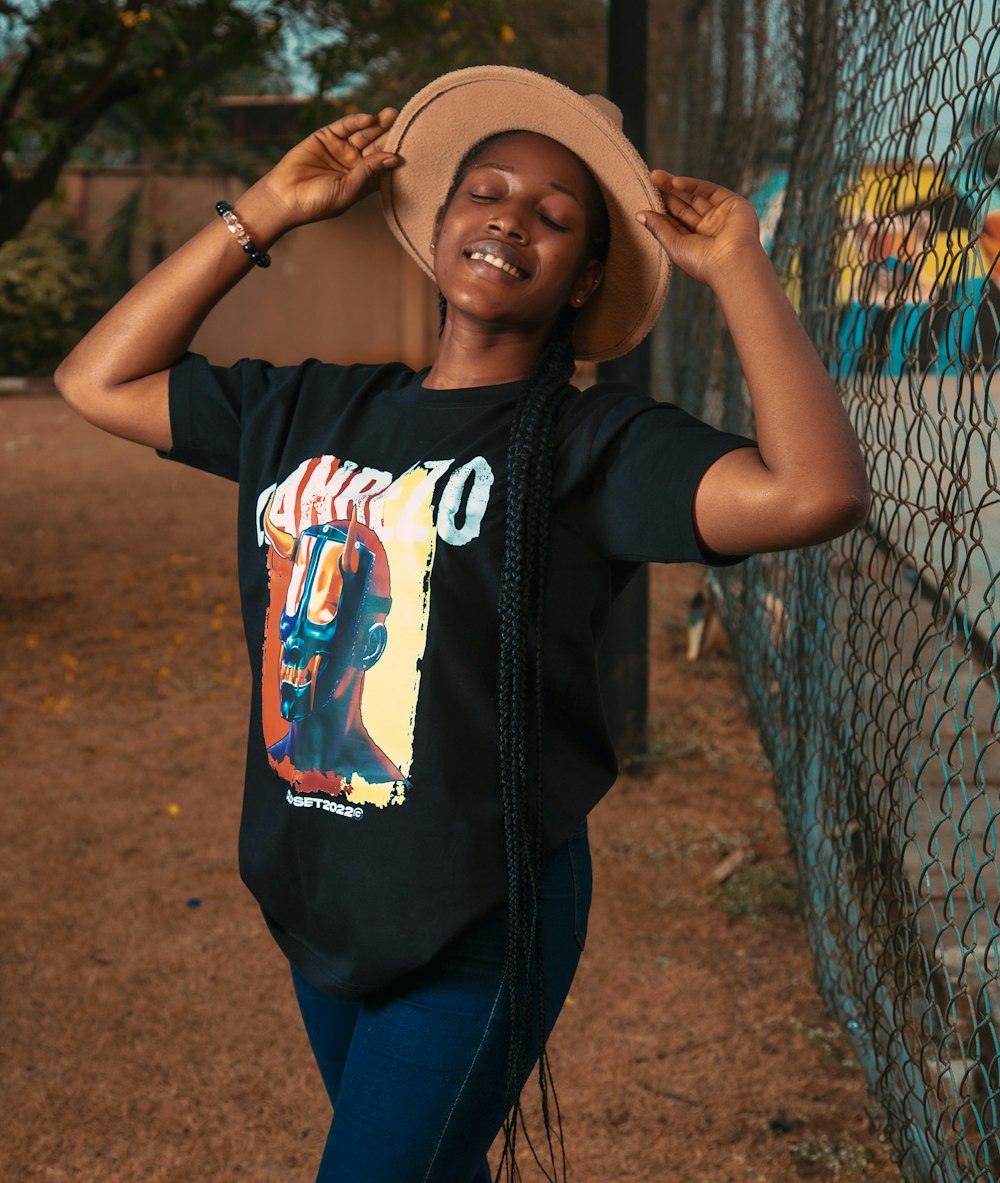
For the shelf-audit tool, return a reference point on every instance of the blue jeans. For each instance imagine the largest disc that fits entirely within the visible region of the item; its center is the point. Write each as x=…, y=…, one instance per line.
x=416, y=1074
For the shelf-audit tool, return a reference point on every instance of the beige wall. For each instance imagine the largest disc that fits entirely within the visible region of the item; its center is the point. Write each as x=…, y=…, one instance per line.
x=342, y=290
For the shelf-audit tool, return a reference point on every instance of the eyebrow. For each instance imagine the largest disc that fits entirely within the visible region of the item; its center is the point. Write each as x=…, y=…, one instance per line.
x=506, y=168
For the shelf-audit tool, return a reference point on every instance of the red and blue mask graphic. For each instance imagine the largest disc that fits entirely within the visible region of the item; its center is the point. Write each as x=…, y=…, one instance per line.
x=332, y=629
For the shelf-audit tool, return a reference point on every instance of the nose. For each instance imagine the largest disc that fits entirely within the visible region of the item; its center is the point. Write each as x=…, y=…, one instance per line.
x=508, y=224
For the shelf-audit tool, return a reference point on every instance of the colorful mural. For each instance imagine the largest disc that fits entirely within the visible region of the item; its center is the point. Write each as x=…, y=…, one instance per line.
x=911, y=270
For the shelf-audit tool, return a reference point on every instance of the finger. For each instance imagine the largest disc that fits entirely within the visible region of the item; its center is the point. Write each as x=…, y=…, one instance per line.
x=365, y=136
x=684, y=212
x=386, y=118
x=377, y=145
x=347, y=125
x=364, y=176
x=362, y=123
x=665, y=229
x=709, y=192
x=693, y=189
x=670, y=188
x=665, y=180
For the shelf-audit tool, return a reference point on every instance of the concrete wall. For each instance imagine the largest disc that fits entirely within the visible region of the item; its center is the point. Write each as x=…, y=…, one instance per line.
x=341, y=290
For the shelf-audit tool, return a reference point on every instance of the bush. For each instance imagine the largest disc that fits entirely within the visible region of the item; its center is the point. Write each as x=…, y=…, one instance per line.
x=50, y=294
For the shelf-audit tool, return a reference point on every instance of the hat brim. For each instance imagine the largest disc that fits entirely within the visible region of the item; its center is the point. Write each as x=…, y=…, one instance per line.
x=440, y=123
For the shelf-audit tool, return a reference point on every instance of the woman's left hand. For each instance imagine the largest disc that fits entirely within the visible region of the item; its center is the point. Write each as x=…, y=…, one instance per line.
x=705, y=225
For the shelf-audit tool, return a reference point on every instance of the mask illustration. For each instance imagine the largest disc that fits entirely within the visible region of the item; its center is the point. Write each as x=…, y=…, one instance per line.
x=332, y=630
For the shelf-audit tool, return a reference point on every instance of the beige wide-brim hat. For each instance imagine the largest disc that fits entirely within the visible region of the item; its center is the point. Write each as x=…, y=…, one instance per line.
x=440, y=123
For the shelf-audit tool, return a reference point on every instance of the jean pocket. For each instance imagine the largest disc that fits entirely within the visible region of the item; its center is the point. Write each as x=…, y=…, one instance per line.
x=579, y=861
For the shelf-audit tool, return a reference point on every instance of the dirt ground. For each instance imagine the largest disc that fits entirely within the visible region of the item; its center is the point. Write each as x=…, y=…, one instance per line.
x=149, y=1030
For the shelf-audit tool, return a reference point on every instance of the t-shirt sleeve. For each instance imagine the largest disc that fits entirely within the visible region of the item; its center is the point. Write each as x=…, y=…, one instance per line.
x=641, y=503
x=209, y=409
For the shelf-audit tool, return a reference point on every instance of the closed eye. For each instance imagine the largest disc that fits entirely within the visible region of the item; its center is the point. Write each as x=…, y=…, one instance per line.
x=555, y=225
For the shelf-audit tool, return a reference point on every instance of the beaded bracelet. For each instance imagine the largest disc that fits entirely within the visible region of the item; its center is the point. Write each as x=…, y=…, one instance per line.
x=235, y=226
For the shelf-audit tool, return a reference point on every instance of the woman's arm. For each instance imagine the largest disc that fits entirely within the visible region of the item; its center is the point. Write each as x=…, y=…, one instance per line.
x=117, y=376
x=806, y=482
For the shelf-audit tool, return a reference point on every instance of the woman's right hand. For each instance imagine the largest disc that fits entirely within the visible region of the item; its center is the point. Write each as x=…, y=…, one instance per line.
x=118, y=375
x=325, y=174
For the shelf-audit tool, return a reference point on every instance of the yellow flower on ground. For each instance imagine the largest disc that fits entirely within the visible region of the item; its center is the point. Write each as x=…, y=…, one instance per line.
x=507, y=35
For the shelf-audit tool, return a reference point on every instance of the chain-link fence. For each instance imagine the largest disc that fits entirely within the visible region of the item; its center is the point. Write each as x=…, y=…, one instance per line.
x=867, y=134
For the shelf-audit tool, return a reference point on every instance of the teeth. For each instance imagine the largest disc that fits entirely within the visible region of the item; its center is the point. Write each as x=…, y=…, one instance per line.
x=295, y=677
x=495, y=262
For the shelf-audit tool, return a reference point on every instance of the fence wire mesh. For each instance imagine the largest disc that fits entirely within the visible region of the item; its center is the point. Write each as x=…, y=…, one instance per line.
x=867, y=135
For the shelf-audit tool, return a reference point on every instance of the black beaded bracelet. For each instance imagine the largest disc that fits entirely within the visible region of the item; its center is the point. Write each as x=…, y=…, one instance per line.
x=235, y=226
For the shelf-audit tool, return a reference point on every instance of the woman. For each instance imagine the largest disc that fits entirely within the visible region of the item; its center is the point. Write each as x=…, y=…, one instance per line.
x=427, y=562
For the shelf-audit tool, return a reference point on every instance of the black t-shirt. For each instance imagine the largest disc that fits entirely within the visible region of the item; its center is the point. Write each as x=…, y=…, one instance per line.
x=371, y=530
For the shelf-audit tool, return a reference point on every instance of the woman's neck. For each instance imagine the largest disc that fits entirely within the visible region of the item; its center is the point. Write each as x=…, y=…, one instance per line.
x=469, y=356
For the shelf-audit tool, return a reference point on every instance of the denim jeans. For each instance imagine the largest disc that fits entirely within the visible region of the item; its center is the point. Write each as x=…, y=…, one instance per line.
x=416, y=1074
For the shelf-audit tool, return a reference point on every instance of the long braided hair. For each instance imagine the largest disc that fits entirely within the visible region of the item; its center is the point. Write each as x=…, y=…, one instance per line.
x=519, y=697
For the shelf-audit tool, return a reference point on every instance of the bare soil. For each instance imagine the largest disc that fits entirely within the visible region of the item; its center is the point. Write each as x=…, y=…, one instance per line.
x=149, y=1029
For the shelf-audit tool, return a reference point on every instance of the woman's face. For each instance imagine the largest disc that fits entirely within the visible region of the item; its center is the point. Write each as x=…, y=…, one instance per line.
x=512, y=247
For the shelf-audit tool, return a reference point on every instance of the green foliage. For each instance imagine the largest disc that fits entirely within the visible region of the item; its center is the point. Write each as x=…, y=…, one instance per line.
x=50, y=293
x=119, y=81
x=385, y=52
x=165, y=63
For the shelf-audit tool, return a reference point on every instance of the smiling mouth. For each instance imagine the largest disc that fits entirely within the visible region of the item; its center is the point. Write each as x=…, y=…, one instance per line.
x=500, y=264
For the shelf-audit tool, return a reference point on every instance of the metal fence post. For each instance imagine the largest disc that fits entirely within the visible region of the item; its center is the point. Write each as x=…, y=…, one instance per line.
x=624, y=653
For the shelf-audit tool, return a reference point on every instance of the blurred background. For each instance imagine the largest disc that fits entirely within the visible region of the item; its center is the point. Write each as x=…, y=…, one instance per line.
x=867, y=135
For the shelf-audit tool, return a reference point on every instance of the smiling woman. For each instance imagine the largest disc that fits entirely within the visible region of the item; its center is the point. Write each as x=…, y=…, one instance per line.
x=521, y=237
x=427, y=561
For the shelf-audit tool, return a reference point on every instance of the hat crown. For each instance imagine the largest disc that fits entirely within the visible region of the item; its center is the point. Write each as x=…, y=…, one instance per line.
x=607, y=108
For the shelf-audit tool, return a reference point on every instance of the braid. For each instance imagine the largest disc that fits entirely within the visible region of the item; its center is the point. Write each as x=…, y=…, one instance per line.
x=521, y=611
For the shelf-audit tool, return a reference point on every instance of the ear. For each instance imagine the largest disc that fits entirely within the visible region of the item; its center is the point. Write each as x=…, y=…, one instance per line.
x=437, y=227
x=586, y=283
x=378, y=635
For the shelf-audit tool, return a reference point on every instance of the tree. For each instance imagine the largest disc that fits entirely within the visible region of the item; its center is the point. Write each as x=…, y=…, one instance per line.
x=49, y=295
x=97, y=76
x=68, y=65
x=390, y=50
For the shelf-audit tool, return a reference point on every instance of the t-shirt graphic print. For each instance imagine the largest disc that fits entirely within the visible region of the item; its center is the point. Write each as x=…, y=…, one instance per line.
x=350, y=555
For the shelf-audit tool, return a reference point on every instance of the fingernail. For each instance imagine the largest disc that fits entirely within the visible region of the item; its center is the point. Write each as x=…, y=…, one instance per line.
x=641, y=218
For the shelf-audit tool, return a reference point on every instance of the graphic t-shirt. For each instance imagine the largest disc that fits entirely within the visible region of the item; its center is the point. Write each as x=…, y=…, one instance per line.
x=371, y=531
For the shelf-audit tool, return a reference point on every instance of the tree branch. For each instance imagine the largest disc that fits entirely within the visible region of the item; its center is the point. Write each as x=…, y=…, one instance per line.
x=13, y=92
x=101, y=77
x=22, y=195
